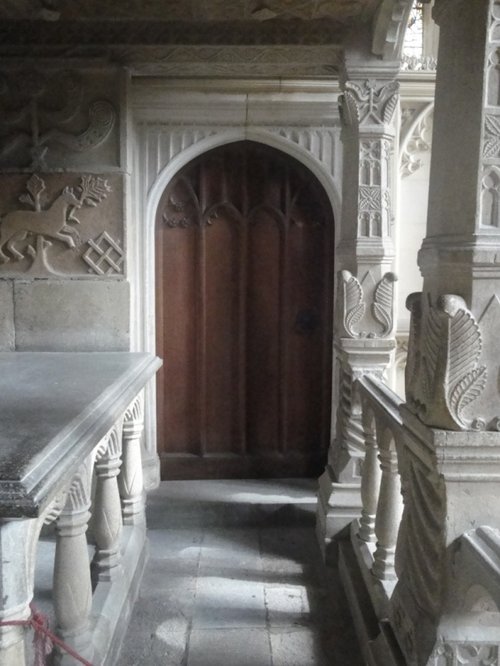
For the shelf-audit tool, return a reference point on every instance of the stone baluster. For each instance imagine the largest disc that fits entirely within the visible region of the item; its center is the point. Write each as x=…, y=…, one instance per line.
x=72, y=590
x=370, y=483
x=130, y=479
x=107, y=515
x=389, y=511
x=17, y=554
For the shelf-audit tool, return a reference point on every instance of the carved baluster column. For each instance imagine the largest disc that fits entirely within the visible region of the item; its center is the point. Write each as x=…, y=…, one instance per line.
x=107, y=515
x=130, y=479
x=17, y=562
x=365, y=287
x=389, y=510
x=72, y=590
x=370, y=482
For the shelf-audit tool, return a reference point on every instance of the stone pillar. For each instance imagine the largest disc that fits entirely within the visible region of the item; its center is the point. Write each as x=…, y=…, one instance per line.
x=365, y=286
x=107, y=515
x=17, y=563
x=130, y=479
x=450, y=460
x=72, y=591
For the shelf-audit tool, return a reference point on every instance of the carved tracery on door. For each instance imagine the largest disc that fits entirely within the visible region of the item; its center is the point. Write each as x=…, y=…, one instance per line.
x=244, y=238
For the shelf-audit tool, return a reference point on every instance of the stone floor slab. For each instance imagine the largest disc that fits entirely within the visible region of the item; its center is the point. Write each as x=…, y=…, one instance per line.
x=229, y=647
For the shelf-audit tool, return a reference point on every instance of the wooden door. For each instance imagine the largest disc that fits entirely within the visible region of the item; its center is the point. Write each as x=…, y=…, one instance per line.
x=244, y=246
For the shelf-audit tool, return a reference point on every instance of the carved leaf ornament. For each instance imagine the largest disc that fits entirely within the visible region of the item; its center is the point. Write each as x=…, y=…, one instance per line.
x=443, y=376
x=353, y=305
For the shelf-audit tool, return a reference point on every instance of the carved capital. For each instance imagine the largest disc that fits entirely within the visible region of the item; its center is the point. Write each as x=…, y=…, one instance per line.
x=363, y=315
x=368, y=103
x=108, y=453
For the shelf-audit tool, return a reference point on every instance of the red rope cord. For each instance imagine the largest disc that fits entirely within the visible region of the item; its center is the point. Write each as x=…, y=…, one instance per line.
x=43, y=638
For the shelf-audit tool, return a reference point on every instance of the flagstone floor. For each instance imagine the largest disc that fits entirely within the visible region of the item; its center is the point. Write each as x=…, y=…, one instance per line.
x=235, y=578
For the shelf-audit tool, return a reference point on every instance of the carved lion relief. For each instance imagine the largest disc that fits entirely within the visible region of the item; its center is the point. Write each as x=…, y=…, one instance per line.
x=58, y=225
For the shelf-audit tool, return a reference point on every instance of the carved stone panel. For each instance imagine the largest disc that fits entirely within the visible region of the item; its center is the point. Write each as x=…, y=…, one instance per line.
x=59, y=118
x=58, y=225
x=365, y=308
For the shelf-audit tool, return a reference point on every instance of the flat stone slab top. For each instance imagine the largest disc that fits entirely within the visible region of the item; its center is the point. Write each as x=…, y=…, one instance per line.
x=54, y=409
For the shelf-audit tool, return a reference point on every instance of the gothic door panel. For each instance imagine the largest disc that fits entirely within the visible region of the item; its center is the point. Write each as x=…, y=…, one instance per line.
x=244, y=245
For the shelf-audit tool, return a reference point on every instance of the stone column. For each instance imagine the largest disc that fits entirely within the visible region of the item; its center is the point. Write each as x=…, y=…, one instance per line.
x=130, y=479
x=365, y=285
x=107, y=515
x=451, y=457
x=72, y=591
x=17, y=563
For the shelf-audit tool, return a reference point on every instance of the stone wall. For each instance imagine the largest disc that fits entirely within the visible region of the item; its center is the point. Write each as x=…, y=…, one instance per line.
x=63, y=178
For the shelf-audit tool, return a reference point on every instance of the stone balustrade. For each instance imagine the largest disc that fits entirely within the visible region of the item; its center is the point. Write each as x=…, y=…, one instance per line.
x=423, y=583
x=70, y=454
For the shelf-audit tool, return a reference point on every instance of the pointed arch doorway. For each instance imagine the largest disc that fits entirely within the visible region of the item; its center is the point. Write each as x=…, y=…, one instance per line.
x=244, y=278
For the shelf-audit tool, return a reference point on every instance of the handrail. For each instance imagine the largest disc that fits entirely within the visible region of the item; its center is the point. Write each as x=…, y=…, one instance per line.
x=70, y=449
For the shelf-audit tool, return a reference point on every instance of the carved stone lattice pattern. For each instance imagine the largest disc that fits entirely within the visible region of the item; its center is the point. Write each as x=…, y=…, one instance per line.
x=374, y=202
x=104, y=256
x=353, y=306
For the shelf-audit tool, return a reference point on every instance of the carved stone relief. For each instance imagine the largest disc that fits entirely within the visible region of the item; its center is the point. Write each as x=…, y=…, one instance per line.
x=369, y=102
x=418, y=140
x=58, y=118
x=466, y=654
x=60, y=225
x=444, y=375
x=366, y=310
x=236, y=60
x=490, y=190
x=374, y=200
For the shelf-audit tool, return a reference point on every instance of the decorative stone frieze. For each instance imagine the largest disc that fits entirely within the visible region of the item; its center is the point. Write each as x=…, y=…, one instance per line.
x=57, y=225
